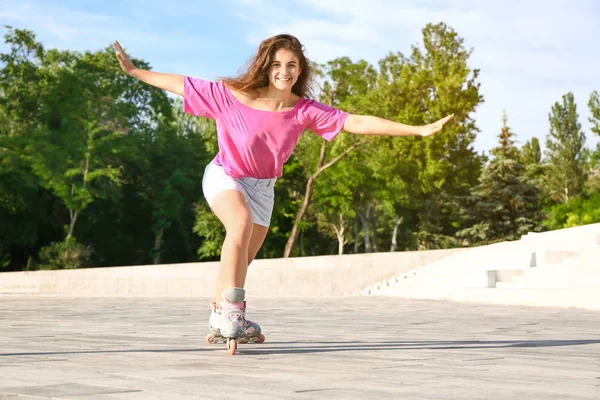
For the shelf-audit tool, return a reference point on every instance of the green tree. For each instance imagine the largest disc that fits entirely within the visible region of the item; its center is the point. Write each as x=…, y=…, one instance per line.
x=505, y=205
x=578, y=211
x=342, y=79
x=27, y=212
x=535, y=169
x=403, y=188
x=162, y=175
x=566, y=153
x=431, y=172
x=67, y=117
x=594, y=106
x=532, y=153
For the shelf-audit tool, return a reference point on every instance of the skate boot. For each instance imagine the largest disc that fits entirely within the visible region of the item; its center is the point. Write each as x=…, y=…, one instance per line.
x=229, y=325
x=233, y=313
x=251, y=329
x=214, y=323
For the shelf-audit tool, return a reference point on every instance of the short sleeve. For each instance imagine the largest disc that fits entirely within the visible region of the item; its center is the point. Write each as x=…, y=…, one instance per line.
x=324, y=120
x=204, y=98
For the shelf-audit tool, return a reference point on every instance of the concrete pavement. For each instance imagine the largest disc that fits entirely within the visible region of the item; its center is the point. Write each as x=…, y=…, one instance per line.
x=333, y=348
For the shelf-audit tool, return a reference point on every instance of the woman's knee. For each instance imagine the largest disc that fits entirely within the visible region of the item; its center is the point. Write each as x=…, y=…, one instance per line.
x=240, y=230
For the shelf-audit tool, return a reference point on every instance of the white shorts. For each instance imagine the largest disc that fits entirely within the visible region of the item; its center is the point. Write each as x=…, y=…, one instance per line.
x=259, y=193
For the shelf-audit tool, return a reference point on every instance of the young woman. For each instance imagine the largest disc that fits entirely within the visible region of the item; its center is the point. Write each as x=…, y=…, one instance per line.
x=260, y=116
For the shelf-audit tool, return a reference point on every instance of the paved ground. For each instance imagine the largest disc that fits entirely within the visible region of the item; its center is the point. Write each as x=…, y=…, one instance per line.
x=353, y=348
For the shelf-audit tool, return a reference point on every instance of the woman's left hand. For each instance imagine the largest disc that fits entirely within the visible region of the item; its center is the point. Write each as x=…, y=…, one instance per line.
x=434, y=128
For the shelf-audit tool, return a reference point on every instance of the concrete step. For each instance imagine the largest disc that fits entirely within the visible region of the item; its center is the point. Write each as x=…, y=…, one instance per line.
x=510, y=285
x=539, y=260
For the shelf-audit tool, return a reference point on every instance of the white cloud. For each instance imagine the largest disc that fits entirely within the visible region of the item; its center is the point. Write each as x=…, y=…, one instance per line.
x=63, y=27
x=530, y=53
x=67, y=28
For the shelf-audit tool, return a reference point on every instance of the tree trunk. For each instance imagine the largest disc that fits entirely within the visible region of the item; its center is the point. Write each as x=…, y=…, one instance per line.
x=157, y=244
x=290, y=243
x=320, y=168
x=72, y=213
x=395, y=234
x=374, y=228
x=364, y=217
x=339, y=232
x=367, y=237
x=365, y=224
x=356, y=235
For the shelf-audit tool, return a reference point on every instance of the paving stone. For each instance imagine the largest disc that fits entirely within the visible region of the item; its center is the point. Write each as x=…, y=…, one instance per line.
x=346, y=348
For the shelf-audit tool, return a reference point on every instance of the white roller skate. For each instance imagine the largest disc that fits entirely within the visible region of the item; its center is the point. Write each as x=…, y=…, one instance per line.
x=229, y=324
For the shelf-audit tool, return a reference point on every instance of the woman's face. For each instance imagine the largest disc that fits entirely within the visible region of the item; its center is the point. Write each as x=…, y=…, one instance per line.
x=285, y=70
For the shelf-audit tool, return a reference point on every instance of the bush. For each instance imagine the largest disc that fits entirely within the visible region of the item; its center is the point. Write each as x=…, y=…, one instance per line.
x=64, y=255
x=211, y=230
x=579, y=211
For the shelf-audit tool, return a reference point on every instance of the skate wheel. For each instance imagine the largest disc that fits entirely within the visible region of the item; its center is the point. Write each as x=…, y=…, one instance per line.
x=260, y=338
x=231, y=346
x=211, y=339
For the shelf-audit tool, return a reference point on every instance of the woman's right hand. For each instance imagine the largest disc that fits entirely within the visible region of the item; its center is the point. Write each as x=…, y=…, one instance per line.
x=170, y=82
x=123, y=58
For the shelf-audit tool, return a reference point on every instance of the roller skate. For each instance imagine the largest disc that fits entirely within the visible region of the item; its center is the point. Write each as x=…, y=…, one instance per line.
x=229, y=324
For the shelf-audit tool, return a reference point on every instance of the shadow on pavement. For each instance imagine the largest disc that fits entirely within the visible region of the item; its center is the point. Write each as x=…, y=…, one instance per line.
x=305, y=347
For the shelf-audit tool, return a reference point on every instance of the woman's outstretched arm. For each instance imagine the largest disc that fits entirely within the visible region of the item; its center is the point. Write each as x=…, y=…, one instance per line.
x=170, y=82
x=370, y=125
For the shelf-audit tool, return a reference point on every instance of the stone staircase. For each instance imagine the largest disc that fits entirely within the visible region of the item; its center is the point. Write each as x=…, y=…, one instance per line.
x=562, y=260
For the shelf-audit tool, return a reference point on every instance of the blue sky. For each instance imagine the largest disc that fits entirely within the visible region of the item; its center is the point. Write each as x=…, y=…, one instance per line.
x=530, y=52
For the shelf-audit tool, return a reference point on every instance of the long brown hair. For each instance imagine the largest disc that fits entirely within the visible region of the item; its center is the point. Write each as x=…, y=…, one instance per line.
x=256, y=71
